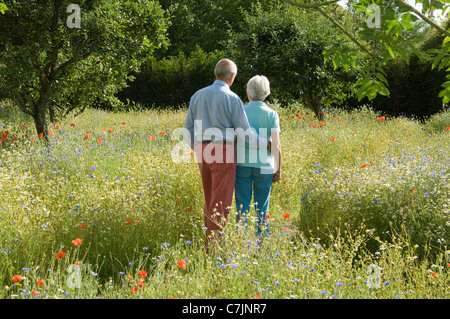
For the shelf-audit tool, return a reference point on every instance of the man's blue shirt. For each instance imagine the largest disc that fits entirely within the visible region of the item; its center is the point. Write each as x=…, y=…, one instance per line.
x=215, y=113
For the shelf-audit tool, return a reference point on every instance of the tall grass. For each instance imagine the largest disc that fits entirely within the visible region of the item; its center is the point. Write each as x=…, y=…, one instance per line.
x=359, y=192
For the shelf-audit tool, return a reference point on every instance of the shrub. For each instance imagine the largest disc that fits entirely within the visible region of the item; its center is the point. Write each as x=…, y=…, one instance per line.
x=171, y=81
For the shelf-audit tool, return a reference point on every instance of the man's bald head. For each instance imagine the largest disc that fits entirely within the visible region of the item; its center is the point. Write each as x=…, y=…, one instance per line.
x=225, y=70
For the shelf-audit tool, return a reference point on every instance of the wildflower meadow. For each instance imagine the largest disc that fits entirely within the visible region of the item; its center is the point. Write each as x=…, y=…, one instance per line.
x=104, y=211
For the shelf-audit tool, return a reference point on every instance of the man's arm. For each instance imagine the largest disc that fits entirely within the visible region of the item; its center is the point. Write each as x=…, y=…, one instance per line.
x=189, y=128
x=277, y=155
x=243, y=129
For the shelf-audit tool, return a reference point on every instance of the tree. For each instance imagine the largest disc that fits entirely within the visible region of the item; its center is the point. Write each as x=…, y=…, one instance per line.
x=56, y=57
x=203, y=23
x=385, y=32
x=287, y=46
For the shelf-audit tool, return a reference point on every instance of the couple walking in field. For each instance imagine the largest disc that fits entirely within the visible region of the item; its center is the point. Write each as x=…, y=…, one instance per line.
x=238, y=149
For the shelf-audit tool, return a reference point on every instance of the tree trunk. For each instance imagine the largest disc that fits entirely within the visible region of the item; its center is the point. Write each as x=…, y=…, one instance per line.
x=40, y=112
x=40, y=121
x=315, y=105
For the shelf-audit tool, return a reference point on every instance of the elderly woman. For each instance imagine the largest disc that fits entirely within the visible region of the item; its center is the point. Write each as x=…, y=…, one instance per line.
x=257, y=169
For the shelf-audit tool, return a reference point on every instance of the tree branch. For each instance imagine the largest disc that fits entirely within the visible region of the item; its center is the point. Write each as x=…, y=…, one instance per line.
x=54, y=75
x=351, y=37
x=403, y=4
x=57, y=4
x=53, y=56
x=28, y=100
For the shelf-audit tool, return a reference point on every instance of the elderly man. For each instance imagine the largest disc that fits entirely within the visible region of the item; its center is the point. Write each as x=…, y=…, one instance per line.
x=214, y=120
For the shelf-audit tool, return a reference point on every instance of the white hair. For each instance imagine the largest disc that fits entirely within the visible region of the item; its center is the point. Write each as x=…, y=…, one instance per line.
x=258, y=87
x=225, y=68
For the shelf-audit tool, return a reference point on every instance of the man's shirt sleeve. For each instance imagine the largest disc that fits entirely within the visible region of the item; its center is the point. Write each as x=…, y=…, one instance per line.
x=189, y=126
x=243, y=128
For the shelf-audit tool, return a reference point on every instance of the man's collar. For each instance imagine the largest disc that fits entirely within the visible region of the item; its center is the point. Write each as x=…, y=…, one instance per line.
x=220, y=82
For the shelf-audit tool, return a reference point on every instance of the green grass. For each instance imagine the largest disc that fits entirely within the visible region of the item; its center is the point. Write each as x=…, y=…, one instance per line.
x=359, y=192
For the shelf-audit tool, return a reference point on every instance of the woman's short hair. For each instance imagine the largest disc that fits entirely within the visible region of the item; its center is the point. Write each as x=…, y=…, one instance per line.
x=225, y=68
x=258, y=87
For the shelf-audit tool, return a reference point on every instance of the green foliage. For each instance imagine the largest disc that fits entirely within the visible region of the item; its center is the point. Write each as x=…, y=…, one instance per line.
x=203, y=23
x=172, y=80
x=287, y=46
x=395, y=35
x=50, y=68
x=414, y=88
x=414, y=85
x=3, y=7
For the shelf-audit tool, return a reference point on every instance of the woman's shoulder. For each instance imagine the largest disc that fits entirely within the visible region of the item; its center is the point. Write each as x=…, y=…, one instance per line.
x=270, y=110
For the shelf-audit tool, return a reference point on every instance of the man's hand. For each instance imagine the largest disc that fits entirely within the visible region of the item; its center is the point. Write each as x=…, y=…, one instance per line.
x=277, y=175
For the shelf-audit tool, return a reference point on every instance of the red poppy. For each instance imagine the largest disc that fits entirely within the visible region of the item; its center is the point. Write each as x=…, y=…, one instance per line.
x=83, y=226
x=299, y=117
x=110, y=130
x=40, y=282
x=100, y=140
x=153, y=138
x=40, y=135
x=182, y=263
x=123, y=123
x=363, y=165
x=140, y=283
x=333, y=139
x=57, y=127
x=34, y=293
x=267, y=216
x=258, y=296
x=60, y=255
x=163, y=132
x=86, y=137
x=142, y=273
x=50, y=133
x=77, y=242
x=73, y=125
x=14, y=139
x=322, y=123
x=134, y=290
x=128, y=222
x=447, y=128
x=89, y=132
x=17, y=278
x=4, y=136
x=286, y=215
